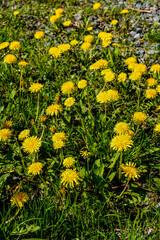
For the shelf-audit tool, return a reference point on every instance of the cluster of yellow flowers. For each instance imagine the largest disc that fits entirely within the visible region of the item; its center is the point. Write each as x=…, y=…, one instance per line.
x=58, y=140
x=108, y=96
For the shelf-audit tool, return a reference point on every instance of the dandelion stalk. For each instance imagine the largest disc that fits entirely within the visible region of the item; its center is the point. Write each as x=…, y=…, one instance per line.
x=13, y=216
x=20, y=152
x=37, y=108
x=120, y=163
x=124, y=188
x=114, y=162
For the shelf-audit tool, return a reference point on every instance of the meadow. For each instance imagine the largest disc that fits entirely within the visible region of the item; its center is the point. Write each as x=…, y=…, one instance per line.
x=79, y=120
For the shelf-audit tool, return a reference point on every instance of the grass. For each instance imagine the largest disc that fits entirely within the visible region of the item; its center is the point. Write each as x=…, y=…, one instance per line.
x=105, y=202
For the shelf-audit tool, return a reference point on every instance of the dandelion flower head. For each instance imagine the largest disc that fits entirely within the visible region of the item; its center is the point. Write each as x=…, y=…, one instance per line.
x=4, y=45
x=24, y=134
x=88, y=38
x=7, y=124
x=67, y=23
x=96, y=6
x=16, y=13
x=54, y=109
x=158, y=88
x=102, y=97
x=121, y=142
x=39, y=34
x=89, y=28
x=23, y=63
x=59, y=11
x=69, y=102
x=130, y=60
x=135, y=76
x=5, y=134
x=157, y=127
x=109, y=76
x=139, y=117
x=121, y=128
x=64, y=47
x=151, y=93
x=54, y=18
x=31, y=144
x=99, y=64
x=130, y=170
x=35, y=87
x=68, y=87
x=58, y=144
x=122, y=77
x=151, y=82
x=155, y=68
x=35, y=168
x=85, y=46
x=68, y=162
x=10, y=58
x=124, y=11
x=114, y=22
x=14, y=45
x=113, y=95
x=82, y=84
x=70, y=177
x=74, y=42
x=19, y=198
x=60, y=136
x=55, y=52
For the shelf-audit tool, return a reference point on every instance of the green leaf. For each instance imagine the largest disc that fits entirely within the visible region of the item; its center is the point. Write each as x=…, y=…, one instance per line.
x=112, y=176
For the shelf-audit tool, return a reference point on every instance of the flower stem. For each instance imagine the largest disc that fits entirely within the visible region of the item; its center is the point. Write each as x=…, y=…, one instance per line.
x=114, y=162
x=125, y=187
x=37, y=108
x=120, y=163
x=20, y=152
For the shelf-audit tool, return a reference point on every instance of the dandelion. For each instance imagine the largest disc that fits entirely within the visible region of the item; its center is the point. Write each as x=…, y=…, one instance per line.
x=112, y=95
x=14, y=45
x=70, y=177
x=109, y=76
x=121, y=142
x=105, y=36
x=82, y=84
x=89, y=28
x=60, y=136
x=150, y=93
x=130, y=171
x=16, y=13
x=4, y=45
x=35, y=87
x=7, y=124
x=58, y=144
x=10, y=58
x=31, y=144
x=134, y=76
x=116, y=44
x=55, y=52
x=114, y=22
x=19, y=198
x=157, y=127
x=85, y=46
x=39, y=34
x=24, y=134
x=130, y=60
x=1, y=16
x=52, y=129
x=68, y=162
x=23, y=63
x=54, y=18
x=122, y=77
x=59, y=11
x=68, y=87
x=64, y=47
x=88, y=38
x=67, y=23
x=158, y=108
x=35, y=168
x=140, y=68
x=139, y=117
x=155, y=68
x=158, y=88
x=96, y=6
x=105, y=71
x=74, y=42
x=84, y=153
x=102, y=97
x=151, y=82
x=121, y=128
x=43, y=119
x=124, y=11
x=106, y=43
x=69, y=102
x=99, y=64
x=54, y=109
x=5, y=134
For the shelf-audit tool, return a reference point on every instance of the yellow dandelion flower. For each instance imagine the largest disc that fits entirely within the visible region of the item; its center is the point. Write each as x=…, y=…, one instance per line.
x=1, y=16
x=68, y=87
x=130, y=133
x=43, y=119
x=10, y=58
x=96, y=6
x=151, y=82
x=109, y=76
x=121, y=142
x=24, y=134
x=157, y=127
x=134, y=76
x=64, y=47
x=54, y=18
x=4, y=45
x=58, y=144
x=67, y=23
x=69, y=102
x=74, y=42
x=82, y=84
x=88, y=38
x=85, y=46
x=150, y=93
x=139, y=117
x=158, y=88
x=105, y=36
x=106, y=43
x=124, y=11
x=5, y=134
x=54, y=109
x=19, y=198
x=59, y=11
x=155, y=68
x=23, y=63
x=52, y=129
x=122, y=77
x=116, y=44
x=99, y=64
x=112, y=95
x=60, y=136
x=121, y=128
x=158, y=108
x=102, y=97
x=140, y=68
x=15, y=45
x=130, y=60
x=68, y=162
x=89, y=28
x=114, y=22
x=35, y=168
x=55, y=52
x=31, y=144
x=84, y=153
x=7, y=124
x=132, y=66
x=70, y=177
x=130, y=171
x=16, y=13
x=35, y=87
x=103, y=72
x=39, y=34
